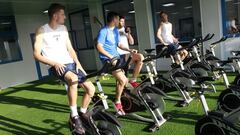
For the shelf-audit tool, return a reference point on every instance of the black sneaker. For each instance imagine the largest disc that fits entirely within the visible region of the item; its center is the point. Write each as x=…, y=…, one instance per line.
x=181, y=104
x=77, y=125
x=85, y=118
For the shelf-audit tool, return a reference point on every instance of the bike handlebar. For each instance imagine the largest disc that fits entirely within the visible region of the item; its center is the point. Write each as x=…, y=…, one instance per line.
x=224, y=38
x=108, y=67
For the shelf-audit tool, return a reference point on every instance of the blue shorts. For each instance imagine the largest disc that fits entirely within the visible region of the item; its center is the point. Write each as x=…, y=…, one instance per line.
x=172, y=48
x=122, y=60
x=69, y=67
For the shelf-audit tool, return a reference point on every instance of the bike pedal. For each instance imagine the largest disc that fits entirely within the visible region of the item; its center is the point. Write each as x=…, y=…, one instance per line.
x=154, y=128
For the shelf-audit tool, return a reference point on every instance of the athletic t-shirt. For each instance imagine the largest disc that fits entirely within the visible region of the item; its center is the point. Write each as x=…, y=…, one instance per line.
x=55, y=44
x=109, y=38
x=123, y=41
x=167, y=33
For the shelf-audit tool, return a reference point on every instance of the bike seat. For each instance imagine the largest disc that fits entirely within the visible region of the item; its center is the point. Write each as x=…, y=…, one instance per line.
x=216, y=113
x=212, y=58
x=233, y=58
x=218, y=69
x=204, y=79
x=149, y=50
x=235, y=53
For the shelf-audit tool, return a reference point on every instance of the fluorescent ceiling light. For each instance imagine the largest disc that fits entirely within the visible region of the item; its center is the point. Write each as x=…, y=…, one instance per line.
x=5, y=23
x=132, y=2
x=175, y=13
x=107, y=10
x=168, y=4
x=45, y=11
x=131, y=12
x=236, y=3
x=188, y=7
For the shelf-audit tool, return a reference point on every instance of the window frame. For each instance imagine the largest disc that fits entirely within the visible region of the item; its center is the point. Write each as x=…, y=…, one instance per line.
x=74, y=38
x=224, y=22
x=15, y=35
x=155, y=30
x=104, y=17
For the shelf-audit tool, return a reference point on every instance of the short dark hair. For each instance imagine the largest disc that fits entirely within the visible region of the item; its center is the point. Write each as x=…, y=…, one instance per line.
x=161, y=13
x=111, y=16
x=54, y=8
x=121, y=17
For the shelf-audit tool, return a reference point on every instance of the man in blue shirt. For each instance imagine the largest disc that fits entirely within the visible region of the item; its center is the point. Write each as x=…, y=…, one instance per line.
x=107, y=42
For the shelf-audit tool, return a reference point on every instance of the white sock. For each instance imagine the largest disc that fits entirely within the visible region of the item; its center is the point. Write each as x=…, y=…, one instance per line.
x=73, y=111
x=133, y=80
x=118, y=102
x=83, y=110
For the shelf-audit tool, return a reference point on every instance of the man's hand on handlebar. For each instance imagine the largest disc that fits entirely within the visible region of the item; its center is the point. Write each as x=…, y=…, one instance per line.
x=79, y=68
x=60, y=68
x=175, y=40
x=114, y=61
x=133, y=51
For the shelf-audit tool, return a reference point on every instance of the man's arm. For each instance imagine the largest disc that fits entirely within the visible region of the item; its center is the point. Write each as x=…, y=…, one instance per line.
x=103, y=51
x=73, y=54
x=38, y=50
x=129, y=36
x=175, y=40
x=159, y=35
x=100, y=42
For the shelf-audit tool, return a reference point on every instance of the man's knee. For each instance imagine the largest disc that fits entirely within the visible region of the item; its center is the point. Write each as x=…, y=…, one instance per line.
x=141, y=57
x=71, y=79
x=123, y=81
x=90, y=89
x=138, y=57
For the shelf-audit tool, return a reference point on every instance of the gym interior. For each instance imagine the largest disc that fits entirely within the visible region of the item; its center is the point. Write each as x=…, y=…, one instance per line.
x=33, y=102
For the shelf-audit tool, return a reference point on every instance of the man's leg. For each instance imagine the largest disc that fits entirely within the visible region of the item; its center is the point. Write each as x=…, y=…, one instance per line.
x=184, y=54
x=89, y=93
x=137, y=59
x=121, y=82
x=72, y=81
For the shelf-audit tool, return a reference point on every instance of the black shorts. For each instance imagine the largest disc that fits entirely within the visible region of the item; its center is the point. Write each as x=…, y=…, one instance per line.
x=121, y=58
x=172, y=48
x=69, y=67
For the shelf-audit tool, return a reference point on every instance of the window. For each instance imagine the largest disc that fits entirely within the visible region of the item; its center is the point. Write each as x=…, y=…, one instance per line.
x=124, y=8
x=183, y=14
x=81, y=32
x=9, y=47
x=231, y=16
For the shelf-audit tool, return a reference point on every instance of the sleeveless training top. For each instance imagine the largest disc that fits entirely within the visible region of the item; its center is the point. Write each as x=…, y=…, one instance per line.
x=55, y=44
x=167, y=33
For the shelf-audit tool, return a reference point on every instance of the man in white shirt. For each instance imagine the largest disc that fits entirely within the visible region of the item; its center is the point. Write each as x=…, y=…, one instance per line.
x=166, y=37
x=53, y=47
x=137, y=58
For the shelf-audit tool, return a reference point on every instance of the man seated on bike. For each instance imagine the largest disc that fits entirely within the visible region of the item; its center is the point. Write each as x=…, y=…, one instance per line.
x=53, y=47
x=137, y=58
x=166, y=37
x=107, y=42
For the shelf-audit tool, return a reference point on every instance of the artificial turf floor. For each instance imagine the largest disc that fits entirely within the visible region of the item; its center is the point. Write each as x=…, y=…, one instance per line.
x=40, y=107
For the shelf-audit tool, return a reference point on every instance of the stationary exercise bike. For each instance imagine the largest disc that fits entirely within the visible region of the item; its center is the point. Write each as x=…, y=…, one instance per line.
x=147, y=97
x=97, y=121
x=169, y=81
x=229, y=99
x=216, y=122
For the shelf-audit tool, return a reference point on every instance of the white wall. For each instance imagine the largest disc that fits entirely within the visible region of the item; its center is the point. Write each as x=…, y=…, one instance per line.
x=211, y=13
x=212, y=22
x=22, y=71
x=95, y=10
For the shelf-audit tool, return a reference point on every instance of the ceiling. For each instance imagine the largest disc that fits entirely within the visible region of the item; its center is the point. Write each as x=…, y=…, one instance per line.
x=9, y=7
